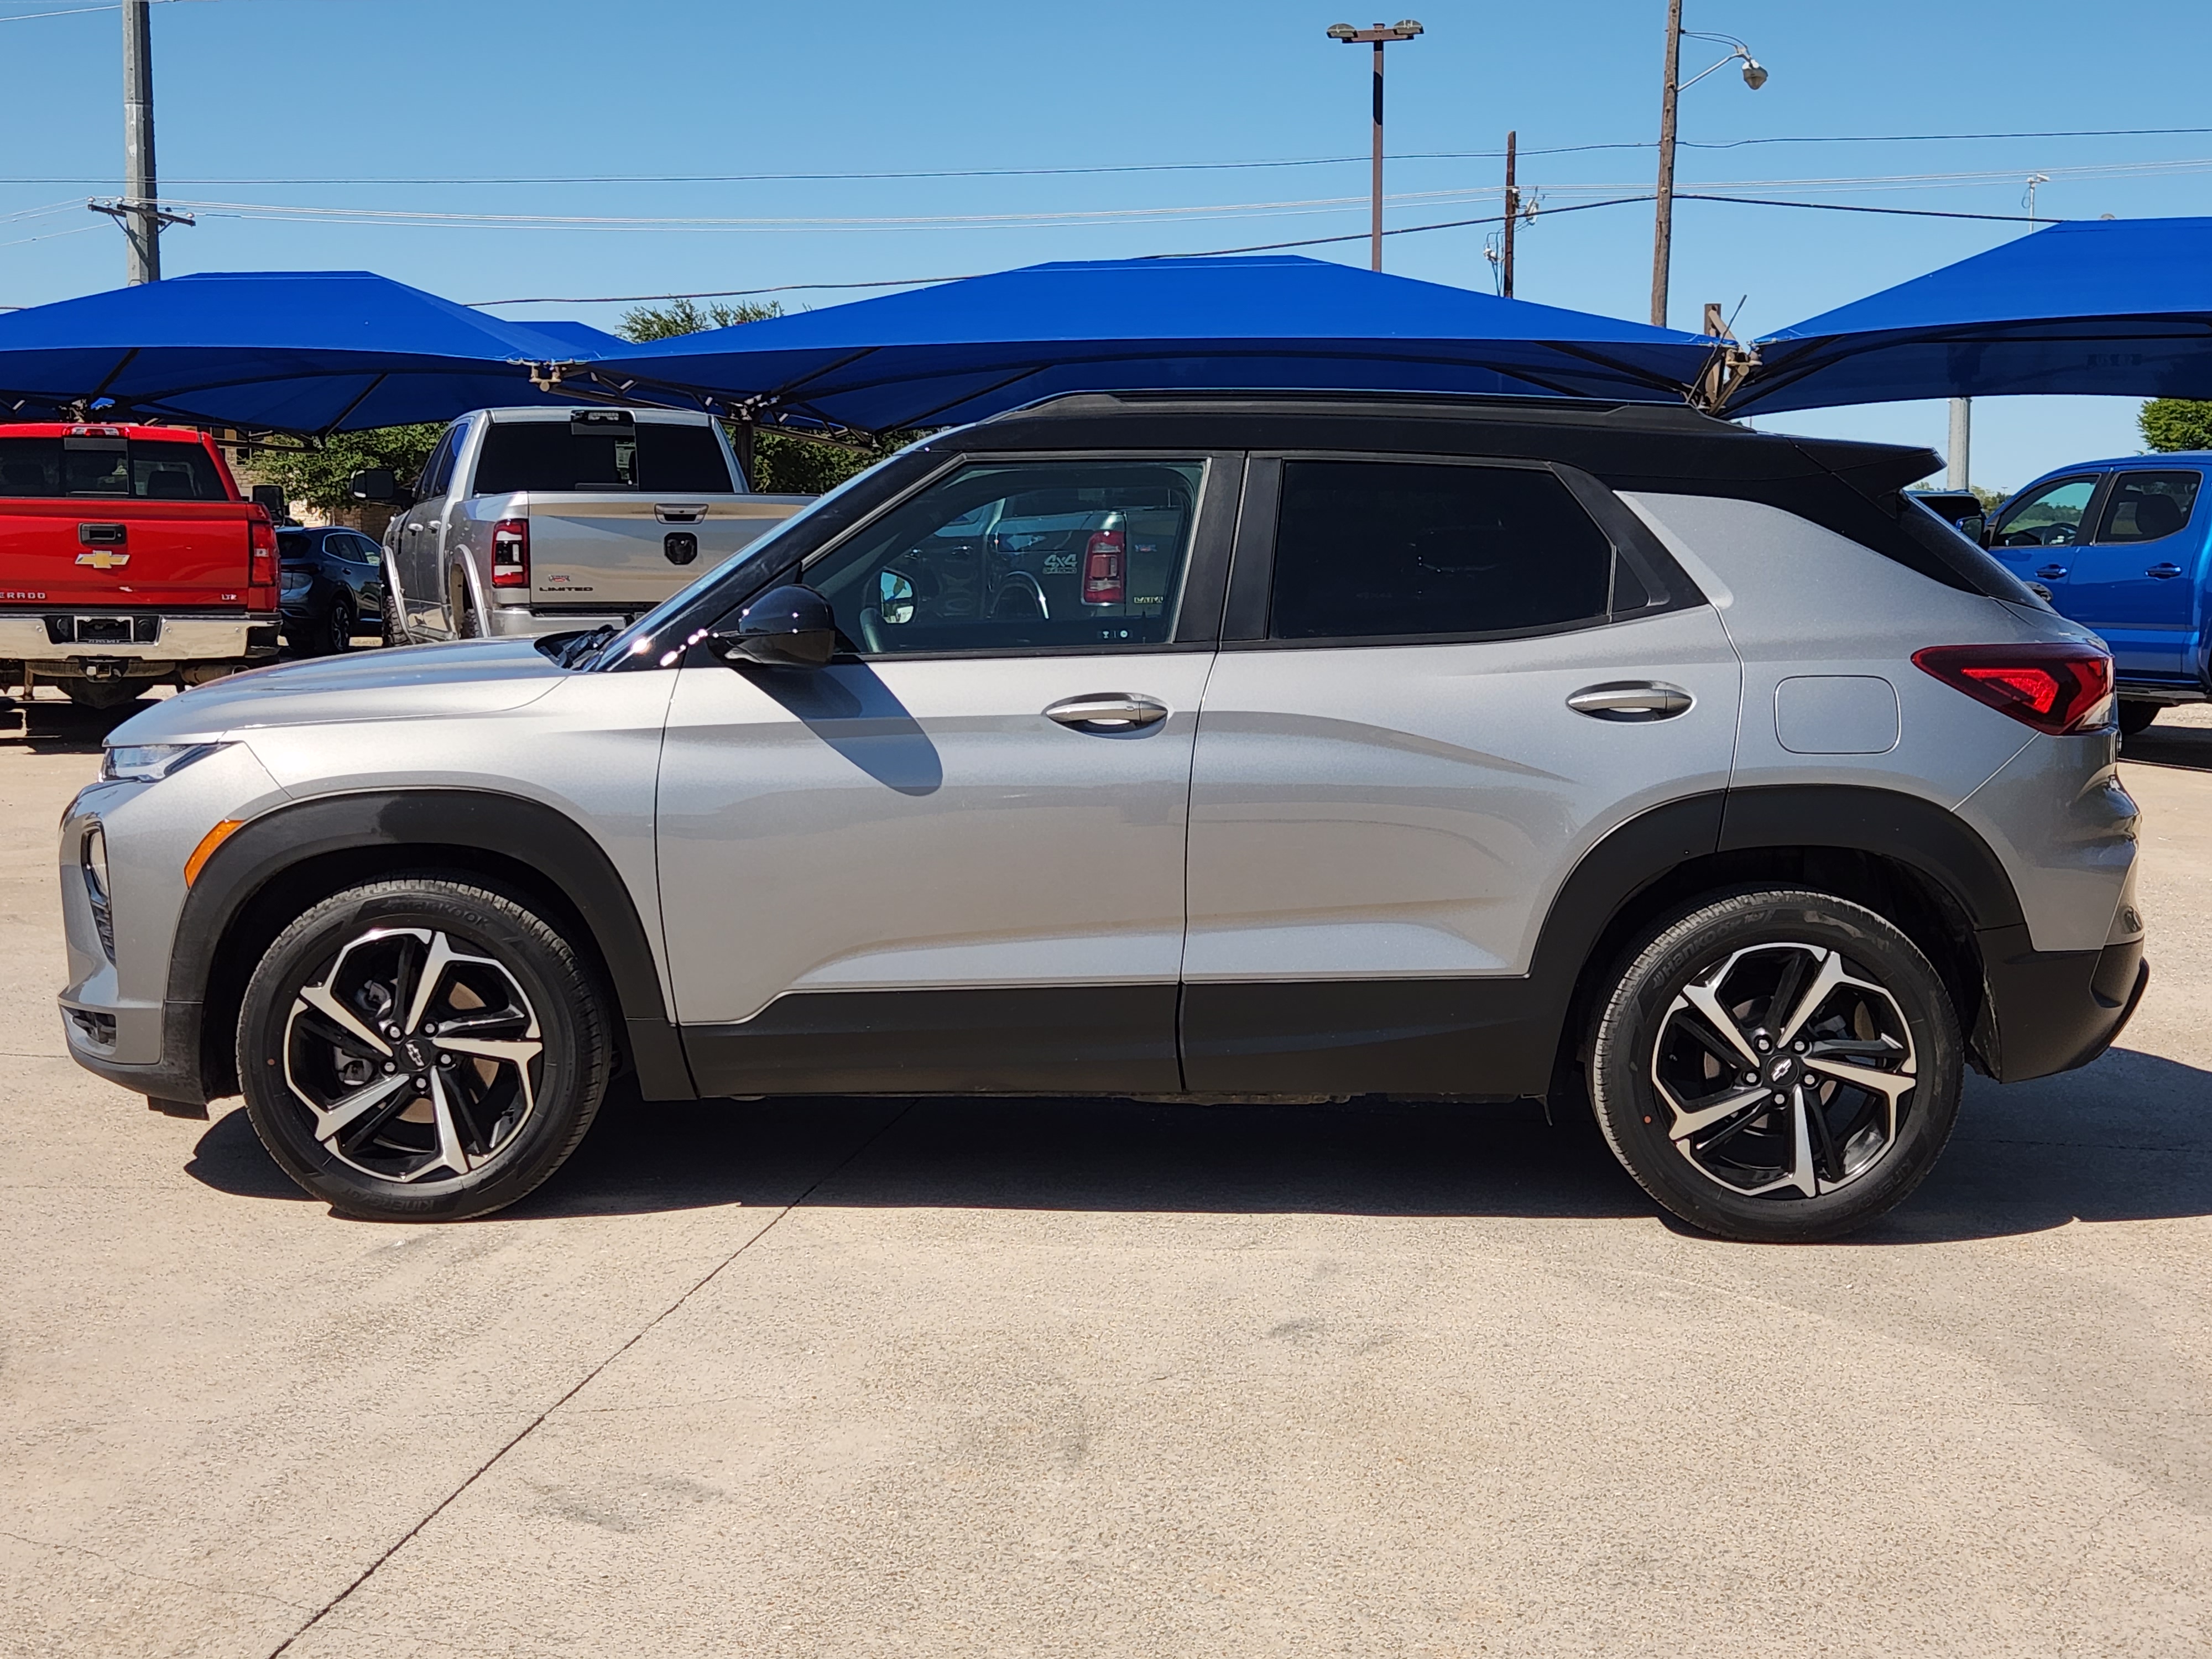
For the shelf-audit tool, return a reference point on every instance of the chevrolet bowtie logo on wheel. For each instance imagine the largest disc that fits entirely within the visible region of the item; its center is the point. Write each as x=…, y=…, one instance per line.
x=100, y=559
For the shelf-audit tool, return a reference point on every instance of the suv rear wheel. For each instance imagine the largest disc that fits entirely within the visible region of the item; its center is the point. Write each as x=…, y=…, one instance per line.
x=420, y=1049
x=1779, y=1066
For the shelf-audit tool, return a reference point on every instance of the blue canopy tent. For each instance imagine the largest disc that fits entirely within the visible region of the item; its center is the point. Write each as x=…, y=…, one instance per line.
x=309, y=352
x=2115, y=307
x=964, y=350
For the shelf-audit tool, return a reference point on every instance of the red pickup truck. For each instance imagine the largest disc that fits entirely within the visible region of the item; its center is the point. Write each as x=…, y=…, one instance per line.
x=128, y=558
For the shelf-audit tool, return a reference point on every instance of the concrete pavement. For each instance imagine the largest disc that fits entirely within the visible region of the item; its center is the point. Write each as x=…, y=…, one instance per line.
x=860, y=1378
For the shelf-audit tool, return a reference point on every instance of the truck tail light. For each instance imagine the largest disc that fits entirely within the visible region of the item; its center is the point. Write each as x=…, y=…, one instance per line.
x=261, y=544
x=1105, y=568
x=2055, y=689
x=510, y=553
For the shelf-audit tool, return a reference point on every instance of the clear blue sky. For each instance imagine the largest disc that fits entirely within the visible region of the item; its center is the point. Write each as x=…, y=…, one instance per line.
x=285, y=92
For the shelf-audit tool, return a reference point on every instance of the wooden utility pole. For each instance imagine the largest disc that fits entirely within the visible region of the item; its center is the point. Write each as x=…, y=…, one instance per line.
x=1662, y=233
x=1512, y=214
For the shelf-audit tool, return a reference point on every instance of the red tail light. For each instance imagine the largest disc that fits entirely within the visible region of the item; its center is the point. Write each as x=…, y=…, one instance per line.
x=510, y=553
x=1105, y=568
x=2053, y=688
x=261, y=549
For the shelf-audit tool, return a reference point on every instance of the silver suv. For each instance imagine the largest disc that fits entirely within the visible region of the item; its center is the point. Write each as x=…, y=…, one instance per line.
x=1260, y=747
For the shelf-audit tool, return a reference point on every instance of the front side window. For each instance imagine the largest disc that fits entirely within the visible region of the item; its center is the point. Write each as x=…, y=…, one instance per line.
x=2050, y=517
x=1376, y=550
x=1025, y=555
x=437, y=470
x=2145, y=506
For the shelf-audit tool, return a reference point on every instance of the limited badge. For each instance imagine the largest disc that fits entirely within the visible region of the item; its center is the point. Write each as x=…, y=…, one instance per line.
x=100, y=559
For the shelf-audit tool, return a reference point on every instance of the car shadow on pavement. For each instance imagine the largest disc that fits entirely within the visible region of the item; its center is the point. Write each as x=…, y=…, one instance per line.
x=47, y=726
x=2129, y=1138
x=2166, y=744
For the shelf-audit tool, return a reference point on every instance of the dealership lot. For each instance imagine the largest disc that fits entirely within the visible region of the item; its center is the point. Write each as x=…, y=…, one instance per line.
x=881, y=1377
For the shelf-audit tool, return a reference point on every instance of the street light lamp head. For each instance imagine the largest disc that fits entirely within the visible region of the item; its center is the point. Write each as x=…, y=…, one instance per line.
x=1343, y=32
x=1754, y=74
x=1381, y=34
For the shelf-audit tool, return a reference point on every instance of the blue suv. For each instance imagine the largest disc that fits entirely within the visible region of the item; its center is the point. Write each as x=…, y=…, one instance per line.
x=2117, y=545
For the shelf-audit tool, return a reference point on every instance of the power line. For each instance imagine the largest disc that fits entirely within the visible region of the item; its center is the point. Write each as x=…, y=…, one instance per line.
x=1137, y=166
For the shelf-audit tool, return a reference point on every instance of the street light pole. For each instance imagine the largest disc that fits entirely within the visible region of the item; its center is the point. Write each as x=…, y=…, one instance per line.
x=1672, y=86
x=1378, y=37
x=142, y=220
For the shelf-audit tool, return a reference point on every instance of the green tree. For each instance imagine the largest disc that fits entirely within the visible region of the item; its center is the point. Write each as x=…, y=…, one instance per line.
x=782, y=465
x=319, y=477
x=2170, y=423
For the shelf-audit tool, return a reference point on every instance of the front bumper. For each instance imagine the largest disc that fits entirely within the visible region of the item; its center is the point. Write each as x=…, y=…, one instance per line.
x=2053, y=1011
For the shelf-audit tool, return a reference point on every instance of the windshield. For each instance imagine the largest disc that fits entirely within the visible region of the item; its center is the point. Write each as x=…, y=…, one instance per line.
x=642, y=635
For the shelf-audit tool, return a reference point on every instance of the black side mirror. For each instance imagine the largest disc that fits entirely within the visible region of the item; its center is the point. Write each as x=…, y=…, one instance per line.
x=789, y=626
x=377, y=484
x=269, y=498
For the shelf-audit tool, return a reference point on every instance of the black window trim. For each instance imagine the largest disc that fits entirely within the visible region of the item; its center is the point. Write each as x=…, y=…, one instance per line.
x=1252, y=573
x=1204, y=573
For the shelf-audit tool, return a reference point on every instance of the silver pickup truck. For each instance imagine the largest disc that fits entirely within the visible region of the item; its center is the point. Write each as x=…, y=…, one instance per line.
x=530, y=521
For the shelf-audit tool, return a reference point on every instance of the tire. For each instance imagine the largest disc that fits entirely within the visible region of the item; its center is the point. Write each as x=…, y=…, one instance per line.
x=395, y=629
x=2136, y=716
x=447, y=1141
x=1743, y=1168
x=338, y=626
x=466, y=624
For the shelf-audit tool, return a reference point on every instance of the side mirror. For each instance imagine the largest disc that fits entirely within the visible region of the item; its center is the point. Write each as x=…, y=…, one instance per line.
x=377, y=484
x=269, y=498
x=1975, y=527
x=789, y=626
x=893, y=598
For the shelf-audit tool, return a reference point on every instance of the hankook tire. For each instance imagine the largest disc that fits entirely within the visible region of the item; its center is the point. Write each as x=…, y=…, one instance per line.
x=421, y=1049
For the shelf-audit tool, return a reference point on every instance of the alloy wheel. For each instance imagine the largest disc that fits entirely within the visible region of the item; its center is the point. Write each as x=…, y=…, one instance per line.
x=1786, y=1070
x=416, y=1059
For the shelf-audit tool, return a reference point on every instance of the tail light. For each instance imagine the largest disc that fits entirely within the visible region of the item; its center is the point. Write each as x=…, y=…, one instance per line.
x=261, y=545
x=1105, y=568
x=2053, y=688
x=510, y=553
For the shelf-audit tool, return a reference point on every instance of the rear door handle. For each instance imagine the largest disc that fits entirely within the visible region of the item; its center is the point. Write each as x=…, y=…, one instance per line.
x=1632, y=700
x=2052, y=573
x=2164, y=572
x=1103, y=713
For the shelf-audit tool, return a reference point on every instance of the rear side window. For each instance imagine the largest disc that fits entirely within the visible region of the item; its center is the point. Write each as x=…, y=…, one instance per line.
x=2145, y=506
x=1376, y=550
x=123, y=469
x=437, y=470
x=564, y=456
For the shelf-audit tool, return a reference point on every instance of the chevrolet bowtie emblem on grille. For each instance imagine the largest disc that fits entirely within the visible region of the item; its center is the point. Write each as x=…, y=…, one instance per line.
x=100, y=559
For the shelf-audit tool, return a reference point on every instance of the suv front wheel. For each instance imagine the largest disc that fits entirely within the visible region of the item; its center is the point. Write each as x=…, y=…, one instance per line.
x=1777, y=1065
x=421, y=1049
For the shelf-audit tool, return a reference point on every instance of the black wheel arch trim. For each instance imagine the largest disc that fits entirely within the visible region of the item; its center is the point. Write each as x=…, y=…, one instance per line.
x=513, y=829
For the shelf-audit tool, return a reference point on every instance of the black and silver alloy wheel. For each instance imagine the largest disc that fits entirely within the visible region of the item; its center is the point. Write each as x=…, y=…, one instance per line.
x=421, y=1049
x=1778, y=1065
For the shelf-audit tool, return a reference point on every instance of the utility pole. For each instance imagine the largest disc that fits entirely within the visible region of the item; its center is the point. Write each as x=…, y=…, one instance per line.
x=1663, y=231
x=1512, y=213
x=142, y=220
x=1378, y=37
x=1959, y=470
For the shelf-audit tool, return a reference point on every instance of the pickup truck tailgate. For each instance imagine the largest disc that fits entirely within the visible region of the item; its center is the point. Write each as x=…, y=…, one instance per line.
x=170, y=554
x=632, y=551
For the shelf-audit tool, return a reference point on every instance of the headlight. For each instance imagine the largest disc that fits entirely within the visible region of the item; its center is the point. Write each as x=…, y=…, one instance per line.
x=144, y=762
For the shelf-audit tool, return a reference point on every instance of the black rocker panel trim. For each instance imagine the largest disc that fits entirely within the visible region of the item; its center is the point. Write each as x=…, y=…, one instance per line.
x=1081, y=1039
x=506, y=826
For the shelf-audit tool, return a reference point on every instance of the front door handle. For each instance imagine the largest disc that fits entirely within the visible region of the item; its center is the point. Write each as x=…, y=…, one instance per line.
x=1632, y=700
x=1105, y=713
x=2052, y=573
x=2166, y=571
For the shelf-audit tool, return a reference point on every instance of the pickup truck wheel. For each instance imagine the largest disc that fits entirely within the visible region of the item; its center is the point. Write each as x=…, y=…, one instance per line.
x=421, y=1049
x=1777, y=1065
x=467, y=625
x=2136, y=716
x=104, y=694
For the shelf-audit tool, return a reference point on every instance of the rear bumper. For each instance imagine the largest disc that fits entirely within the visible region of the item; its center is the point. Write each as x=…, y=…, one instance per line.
x=176, y=639
x=517, y=621
x=2053, y=1011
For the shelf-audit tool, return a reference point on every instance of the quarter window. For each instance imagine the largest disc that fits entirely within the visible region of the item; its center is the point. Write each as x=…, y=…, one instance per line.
x=1373, y=549
x=1028, y=555
x=2050, y=517
x=2145, y=506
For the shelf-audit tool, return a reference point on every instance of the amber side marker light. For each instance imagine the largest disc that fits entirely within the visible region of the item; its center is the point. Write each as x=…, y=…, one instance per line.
x=214, y=838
